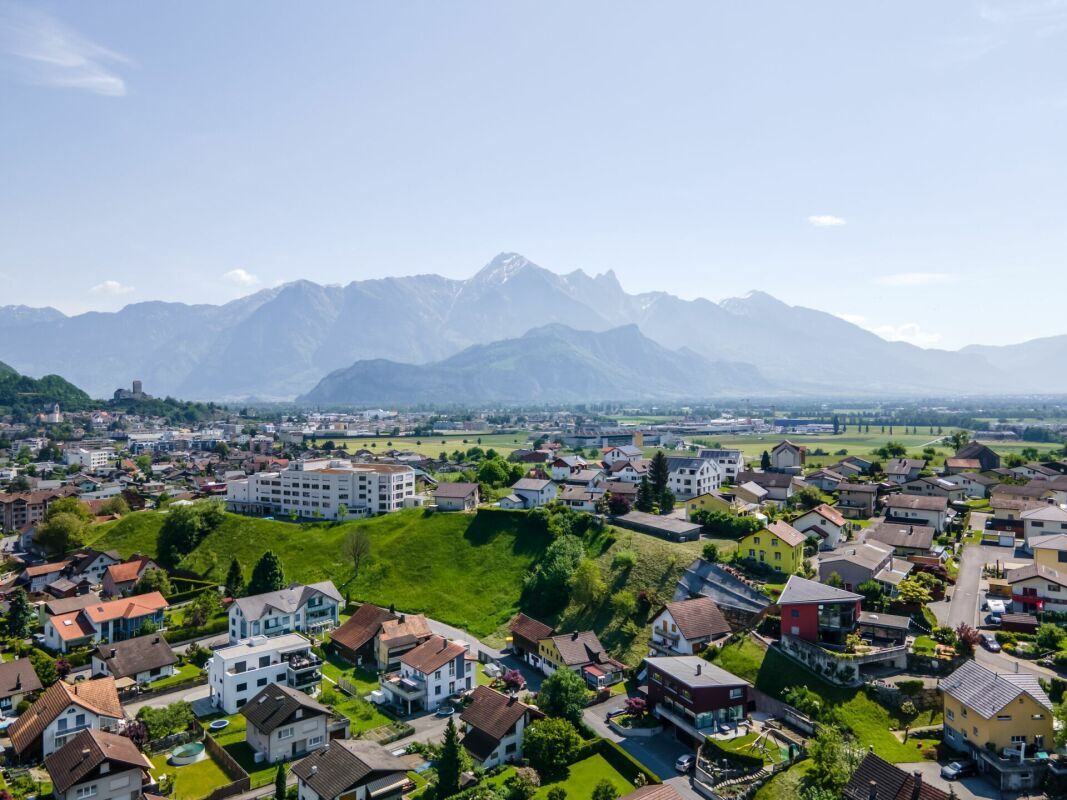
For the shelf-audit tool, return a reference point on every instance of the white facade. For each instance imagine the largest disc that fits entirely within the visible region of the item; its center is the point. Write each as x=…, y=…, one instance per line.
x=318, y=488
x=88, y=459
x=1043, y=521
x=238, y=673
x=69, y=722
x=692, y=477
x=730, y=461
x=665, y=635
x=294, y=609
x=122, y=785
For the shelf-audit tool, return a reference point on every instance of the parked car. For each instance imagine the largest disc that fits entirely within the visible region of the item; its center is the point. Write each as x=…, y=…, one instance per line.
x=685, y=763
x=990, y=643
x=957, y=770
x=993, y=619
x=615, y=712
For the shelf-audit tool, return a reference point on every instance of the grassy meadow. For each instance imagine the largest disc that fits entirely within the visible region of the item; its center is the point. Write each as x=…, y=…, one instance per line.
x=503, y=443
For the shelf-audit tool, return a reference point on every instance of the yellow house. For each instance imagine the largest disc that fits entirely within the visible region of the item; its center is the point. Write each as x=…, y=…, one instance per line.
x=709, y=501
x=1005, y=710
x=779, y=545
x=1051, y=551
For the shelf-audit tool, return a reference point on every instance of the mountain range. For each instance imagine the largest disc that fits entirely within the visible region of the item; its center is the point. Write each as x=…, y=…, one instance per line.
x=279, y=343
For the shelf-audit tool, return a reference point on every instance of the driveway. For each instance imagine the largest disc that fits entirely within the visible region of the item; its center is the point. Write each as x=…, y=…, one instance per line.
x=972, y=788
x=190, y=695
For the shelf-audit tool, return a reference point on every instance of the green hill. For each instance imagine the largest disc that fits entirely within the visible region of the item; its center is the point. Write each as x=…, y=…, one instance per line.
x=34, y=394
x=466, y=570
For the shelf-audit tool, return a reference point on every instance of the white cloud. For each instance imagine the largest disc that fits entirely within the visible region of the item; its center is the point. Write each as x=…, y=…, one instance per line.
x=825, y=220
x=912, y=279
x=241, y=277
x=910, y=332
x=50, y=54
x=111, y=288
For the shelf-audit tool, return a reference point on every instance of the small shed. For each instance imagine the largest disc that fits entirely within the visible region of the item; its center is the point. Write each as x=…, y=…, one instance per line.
x=1019, y=623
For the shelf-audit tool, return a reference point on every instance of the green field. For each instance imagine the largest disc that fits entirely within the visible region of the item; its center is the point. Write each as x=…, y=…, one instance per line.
x=583, y=776
x=872, y=724
x=192, y=781
x=463, y=569
x=503, y=443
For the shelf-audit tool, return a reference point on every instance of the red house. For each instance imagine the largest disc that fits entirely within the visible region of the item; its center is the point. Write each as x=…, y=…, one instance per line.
x=815, y=612
x=695, y=696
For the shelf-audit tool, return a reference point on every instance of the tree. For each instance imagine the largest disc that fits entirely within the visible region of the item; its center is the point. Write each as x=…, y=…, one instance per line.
x=830, y=764
x=557, y=793
x=493, y=472
x=658, y=474
x=137, y=732
x=1060, y=713
x=1050, y=636
x=60, y=533
x=204, y=606
x=550, y=745
x=586, y=585
x=154, y=580
x=45, y=667
x=356, y=548
x=645, y=498
x=449, y=763
x=966, y=638
x=221, y=449
x=873, y=594
x=711, y=552
x=116, y=505
x=618, y=504
x=235, y=581
x=164, y=721
x=267, y=575
x=913, y=592
x=342, y=511
x=522, y=785
x=605, y=790
x=623, y=603
x=835, y=580
x=765, y=461
x=666, y=502
x=19, y=615
x=546, y=586
x=513, y=680
x=279, y=783
x=957, y=440
x=563, y=695
x=636, y=706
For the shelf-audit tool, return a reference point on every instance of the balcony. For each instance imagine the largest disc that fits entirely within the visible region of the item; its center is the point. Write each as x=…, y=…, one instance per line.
x=302, y=661
x=403, y=686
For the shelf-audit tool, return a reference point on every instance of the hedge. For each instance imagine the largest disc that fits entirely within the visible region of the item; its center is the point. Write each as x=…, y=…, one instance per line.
x=220, y=625
x=713, y=752
x=621, y=761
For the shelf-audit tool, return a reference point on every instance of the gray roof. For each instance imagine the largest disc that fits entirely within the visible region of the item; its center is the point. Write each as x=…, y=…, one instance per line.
x=917, y=502
x=344, y=764
x=275, y=705
x=694, y=672
x=455, y=489
x=870, y=555
x=129, y=657
x=286, y=600
x=880, y=620
x=685, y=462
x=801, y=590
x=899, y=534
x=1051, y=541
x=529, y=485
x=1037, y=570
x=988, y=692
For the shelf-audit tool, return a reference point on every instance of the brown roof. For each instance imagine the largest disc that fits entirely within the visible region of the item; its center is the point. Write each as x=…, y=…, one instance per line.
x=432, y=654
x=98, y=696
x=698, y=618
x=126, y=607
x=787, y=533
x=577, y=649
x=916, y=502
x=361, y=627
x=127, y=658
x=830, y=513
x=529, y=628
x=456, y=490
x=405, y=629
x=275, y=705
x=128, y=570
x=333, y=770
x=492, y=714
x=81, y=756
x=963, y=463
x=46, y=569
x=877, y=779
x=18, y=677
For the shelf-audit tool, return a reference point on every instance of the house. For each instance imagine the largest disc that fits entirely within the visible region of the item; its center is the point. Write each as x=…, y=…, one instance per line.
x=824, y=521
x=563, y=466
x=974, y=484
x=1050, y=550
x=398, y=636
x=954, y=465
x=935, y=486
x=903, y=470
x=713, y=501
x=238, y=672
x=629, y=471
x=1001, y=720
x=356, y=639
x=306, y=609
x=857, y=500
x=61, y=712
x=689, y=477
x=526, y=635
x=668, y=527
x=906, y=540
x=731, y=461
x=1037, y=587
x=1041, y=521
x=142, y=660
x=751, y=493
x=622, y=454
x=494, y=727
x=282, y=723
x=92, y=564
x=429, y=674
x=877, y=779
x=788, y=457
x=580, y=498
x=109, y=621
x=987, y=459
x=826, y=480
x=19, y=510
x=353, y=769
x=582, y=653
x=1033, y=492
x=779, y=545
x=18, y=682
x=817, y=613
x=54, y=606
x=456, y=496
x=932, y=511
x=119, y=579
x=1034, y=469
x=100, y=765
x=779, y=486
x=529, y=493
x=695, y=696
x=1053, y=489
x=588, y=478
x=686, y=627
x=866, y=561
x=35, y=579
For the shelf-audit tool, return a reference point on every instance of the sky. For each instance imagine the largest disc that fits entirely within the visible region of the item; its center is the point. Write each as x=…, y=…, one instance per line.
x=901, y=164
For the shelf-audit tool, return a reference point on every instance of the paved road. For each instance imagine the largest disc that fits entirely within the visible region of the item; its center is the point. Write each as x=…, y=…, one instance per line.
x=965, y=594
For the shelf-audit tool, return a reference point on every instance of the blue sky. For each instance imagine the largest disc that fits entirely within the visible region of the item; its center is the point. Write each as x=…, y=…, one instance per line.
x=899, y=164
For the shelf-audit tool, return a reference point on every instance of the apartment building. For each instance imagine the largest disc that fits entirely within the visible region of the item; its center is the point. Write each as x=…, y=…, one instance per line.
x=88, y=459
x=731, y=462
x=296, y=608
x=239, y=672
x=428, y=675
x=323, y=488
x=691, y=477
x=19, y=510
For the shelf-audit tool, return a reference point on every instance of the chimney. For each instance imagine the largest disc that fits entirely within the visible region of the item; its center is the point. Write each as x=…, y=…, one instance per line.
x=699, y=668
x=18, y=681
x=314, y=769
x=918, y=778
x=872, y=791
x=113, y=651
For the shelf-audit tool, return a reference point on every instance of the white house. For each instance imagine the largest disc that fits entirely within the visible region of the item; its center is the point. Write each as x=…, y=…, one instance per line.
x=529, y=493
x=932, y=511
x=1042, y=521
x=580, y=498
x=284, y=723
x=429, y=675
x=98, y=765
x=1037, y=587
x=629, y=471
x=686, y=627
x=973, y=483
x=494, y=727
x=88, y=459
x=61, y=712
x=823, y=521
x=788, y=457
x=563, y=466
x=691, y=477
x=935, y=486
x=731, y=462
x=622, y=453
x=306, y=609
x=239, y=672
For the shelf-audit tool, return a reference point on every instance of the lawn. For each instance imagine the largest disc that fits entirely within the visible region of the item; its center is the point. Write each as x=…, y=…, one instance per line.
x=584, y=775
x=463, y=569
x=742, y=745
x=336, y=668
x=924, y=646
x=871, y=723
x=192, y=781
x=185, y=672
x=785, y=785
x=503, y=443
x=232, y=739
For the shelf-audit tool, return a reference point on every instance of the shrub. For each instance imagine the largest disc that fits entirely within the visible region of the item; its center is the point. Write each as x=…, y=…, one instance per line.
x=625, y=559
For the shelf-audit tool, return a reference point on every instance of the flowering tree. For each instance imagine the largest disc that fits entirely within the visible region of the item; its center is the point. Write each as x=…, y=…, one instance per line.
x=636, y=707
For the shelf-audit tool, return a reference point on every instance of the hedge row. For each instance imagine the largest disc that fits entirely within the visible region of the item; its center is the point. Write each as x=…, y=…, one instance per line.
x=220, y=625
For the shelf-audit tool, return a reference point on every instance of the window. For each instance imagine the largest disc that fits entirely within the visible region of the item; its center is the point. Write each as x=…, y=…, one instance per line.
x=314, y=741
x=756, y=540
x=285, y=733
x=735, y=694
x=963, y=711
x=794, y=613
x=261, y=682
x=1018, y=739
x=1003, y=717
x=777, y=556
x=87, y=791
x=241, y=687
x=950, y=714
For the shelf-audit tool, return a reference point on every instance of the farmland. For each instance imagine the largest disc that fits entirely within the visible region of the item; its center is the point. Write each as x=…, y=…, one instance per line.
x=433, y=445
